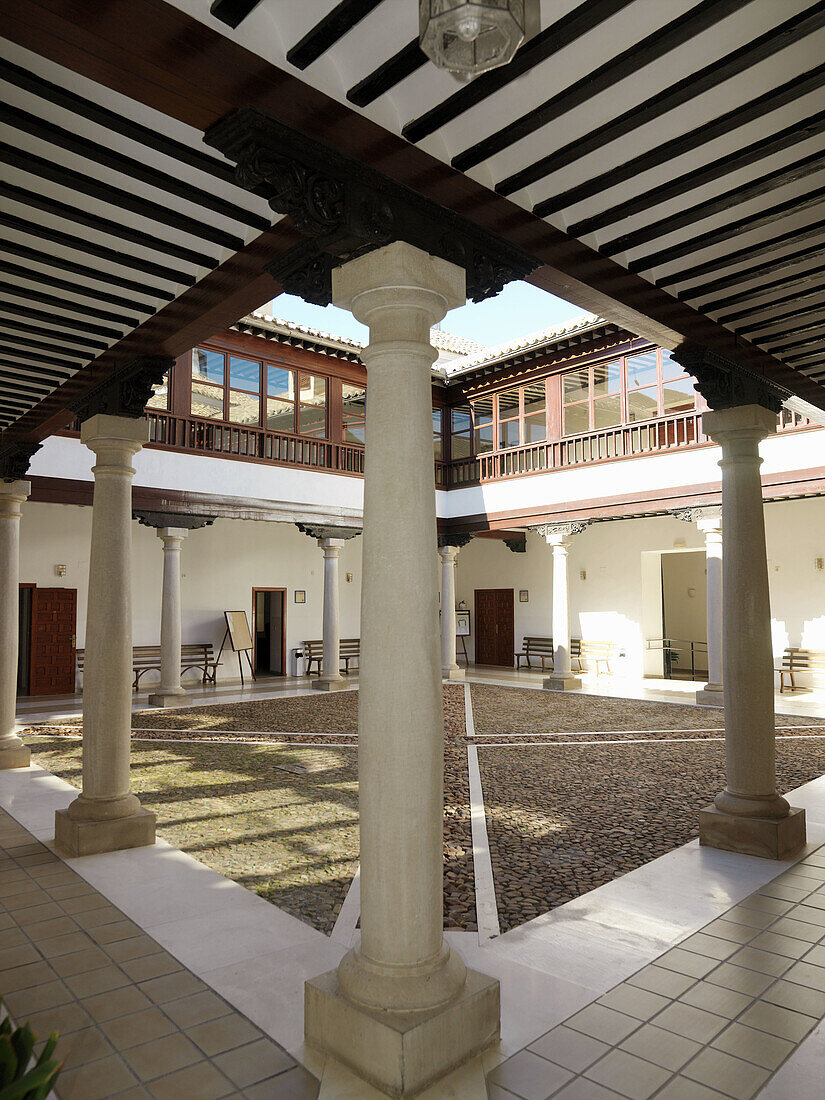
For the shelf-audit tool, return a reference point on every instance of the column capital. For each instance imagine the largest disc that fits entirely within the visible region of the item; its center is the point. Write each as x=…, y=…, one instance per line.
x=397, y=276
x=456, y=541
x=171, y=535
x=114, y=438
x=557, y=534
x=12, y=495
x=726, y=384
x=747, y=423
x=331, y=547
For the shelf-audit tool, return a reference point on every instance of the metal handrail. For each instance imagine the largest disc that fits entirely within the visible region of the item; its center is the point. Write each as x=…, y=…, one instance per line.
x=671, y=646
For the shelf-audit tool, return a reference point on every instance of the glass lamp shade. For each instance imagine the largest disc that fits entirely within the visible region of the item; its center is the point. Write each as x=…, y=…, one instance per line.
x=470, y=36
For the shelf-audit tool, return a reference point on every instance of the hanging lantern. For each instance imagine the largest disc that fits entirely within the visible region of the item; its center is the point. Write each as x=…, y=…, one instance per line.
x=470, y=36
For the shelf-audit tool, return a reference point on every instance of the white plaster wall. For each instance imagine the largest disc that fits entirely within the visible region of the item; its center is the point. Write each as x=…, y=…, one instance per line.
x=612, y=603
x=220, y=566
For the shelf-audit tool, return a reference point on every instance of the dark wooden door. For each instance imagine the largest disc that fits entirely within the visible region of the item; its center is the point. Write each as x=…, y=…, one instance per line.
x=495, y=631
x=53, y=625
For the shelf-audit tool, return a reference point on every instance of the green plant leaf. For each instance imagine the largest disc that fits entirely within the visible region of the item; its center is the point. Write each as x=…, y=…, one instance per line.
x=28, y=1087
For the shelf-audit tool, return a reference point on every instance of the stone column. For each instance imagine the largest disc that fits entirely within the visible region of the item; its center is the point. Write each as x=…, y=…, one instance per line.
x=170, y=691
x=13, y=753
x=709, y=523
x=331, y=678
x=748, y=816
x=558, y=536
x=450, y=669
x=107, y=816
x=401, y=1010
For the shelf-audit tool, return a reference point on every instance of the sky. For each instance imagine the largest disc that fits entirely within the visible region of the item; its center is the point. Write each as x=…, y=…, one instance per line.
x=520, y=308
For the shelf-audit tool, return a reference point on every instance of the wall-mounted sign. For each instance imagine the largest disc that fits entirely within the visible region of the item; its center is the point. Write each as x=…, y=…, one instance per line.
x=300, y=595
x=523, y=596
x=462, y=624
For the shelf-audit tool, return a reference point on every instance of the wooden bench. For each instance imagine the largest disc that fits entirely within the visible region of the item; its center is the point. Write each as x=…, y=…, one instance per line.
x=597, y=653
x=540, y=648
x=799, y=660
x=146, y=658
x=349, y=649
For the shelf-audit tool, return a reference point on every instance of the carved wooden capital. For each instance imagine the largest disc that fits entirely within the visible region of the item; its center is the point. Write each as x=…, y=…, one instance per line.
x=126, y=390
x=15, y=459
x=725, y=384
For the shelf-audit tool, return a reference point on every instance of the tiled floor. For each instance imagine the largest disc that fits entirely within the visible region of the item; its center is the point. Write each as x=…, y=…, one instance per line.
x=132, y=1021
x=711, y=1019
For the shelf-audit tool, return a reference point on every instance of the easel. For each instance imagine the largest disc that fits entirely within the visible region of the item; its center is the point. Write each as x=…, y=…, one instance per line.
x=240, y=640
x=464, y=647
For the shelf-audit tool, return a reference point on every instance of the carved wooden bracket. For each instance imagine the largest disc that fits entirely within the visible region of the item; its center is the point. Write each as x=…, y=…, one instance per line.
x=126, y=390
x=345, y=209
x=14, y=460
x=724, y=383
x=328, y=531
x=173, y=519
x=452, y=540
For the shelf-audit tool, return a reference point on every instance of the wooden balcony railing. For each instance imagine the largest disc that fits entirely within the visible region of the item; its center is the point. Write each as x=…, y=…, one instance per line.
x=210, y=437
x=283, y=448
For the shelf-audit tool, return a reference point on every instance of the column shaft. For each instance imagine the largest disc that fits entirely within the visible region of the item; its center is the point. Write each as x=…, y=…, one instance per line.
x=331, y=678
x=107, y=815
x=449, y=665
x=13, y=753
x=562, y=678
x=714, y=617
x=170, y=689
x=750, y=816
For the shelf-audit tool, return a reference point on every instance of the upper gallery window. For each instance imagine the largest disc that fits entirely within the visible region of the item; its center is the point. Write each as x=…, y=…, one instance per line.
x=255, y=394
x=625, y=391
x=160, y=395
x=438, y=437
x=354, y=413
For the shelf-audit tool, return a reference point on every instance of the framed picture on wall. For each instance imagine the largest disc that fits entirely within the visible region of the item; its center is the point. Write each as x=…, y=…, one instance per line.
x=462, y=624
x=300, y=595
x=523, y=596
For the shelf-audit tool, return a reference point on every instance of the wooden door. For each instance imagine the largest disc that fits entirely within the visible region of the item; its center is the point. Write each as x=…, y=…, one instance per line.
x=53, y=625
x=495, y=641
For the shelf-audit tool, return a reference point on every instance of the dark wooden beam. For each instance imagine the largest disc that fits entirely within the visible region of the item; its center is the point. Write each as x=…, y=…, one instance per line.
x=800, y=279
x=629, y=62
x=790, y=259
x=64, y=303
x=340, y=21
x=72, y=286
x=408, y=60
x=586, y=17
x=43, y=329
x=17, y=309
x=683, y=91
x=7, y=338
x=815, y=292
x=34, y=255
x=232, y=12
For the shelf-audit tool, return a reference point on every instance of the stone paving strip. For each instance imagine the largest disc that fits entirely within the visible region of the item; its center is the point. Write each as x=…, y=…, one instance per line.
x=132, y=1021
x=553, y=832
x=711, y=1019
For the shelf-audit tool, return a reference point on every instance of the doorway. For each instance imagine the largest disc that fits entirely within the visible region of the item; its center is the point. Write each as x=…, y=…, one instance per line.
x=47, y=640
x=495, y=627
x=684, y=615
x=269, y=631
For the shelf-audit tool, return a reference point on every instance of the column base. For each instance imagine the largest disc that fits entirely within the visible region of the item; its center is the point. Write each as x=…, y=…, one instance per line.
x=710, y=697
x=88, y=838
x=18, y=756
x=562, y=683
x=330, y=685
x=453, y=673
x=402, y=1053
x=769, y=838
x=166, y=698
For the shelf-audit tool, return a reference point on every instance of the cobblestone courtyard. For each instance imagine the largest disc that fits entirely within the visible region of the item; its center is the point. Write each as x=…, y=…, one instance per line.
x=577, y=791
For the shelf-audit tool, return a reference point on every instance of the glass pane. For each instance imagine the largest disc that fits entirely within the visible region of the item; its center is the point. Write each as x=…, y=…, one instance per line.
x=244, y=374
x=313, y=420
x=607, y=412
x=483, y=437
x=207, y=401
x=508, y=403
x=244, y=408
x=670, y=368
x=461, y=446
x=280, y=415
x=642, y=404
x=483, y=412
x=508, y=433
x=436, y=423
x=535, y=428
x=207, y=366
x=576, y=419
x=679, y=395
x=438, y=449
x=641, y=370
x=461, y=419
x=607, y=378
x=312, y=390
x=576, y=385
x=280, y=383
x=160, y=395
x=354, y=433
x=534, y=398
